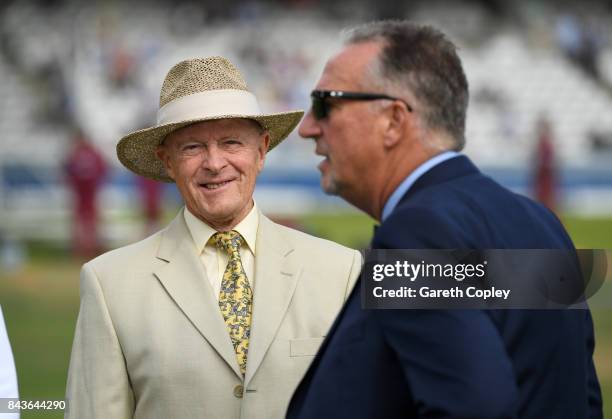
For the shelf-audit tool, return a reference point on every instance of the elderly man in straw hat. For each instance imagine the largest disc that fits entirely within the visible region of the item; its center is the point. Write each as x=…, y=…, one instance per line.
x=219, y=314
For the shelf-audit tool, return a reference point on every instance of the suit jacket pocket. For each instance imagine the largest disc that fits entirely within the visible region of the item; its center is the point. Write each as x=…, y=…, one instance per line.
x=304, y=346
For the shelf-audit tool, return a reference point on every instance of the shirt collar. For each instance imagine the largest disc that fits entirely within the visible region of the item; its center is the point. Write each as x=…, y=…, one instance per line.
x=411, y=179
x=202, y=232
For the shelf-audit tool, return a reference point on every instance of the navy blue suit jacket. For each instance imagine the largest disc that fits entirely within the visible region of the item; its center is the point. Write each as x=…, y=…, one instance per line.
x=527, y=364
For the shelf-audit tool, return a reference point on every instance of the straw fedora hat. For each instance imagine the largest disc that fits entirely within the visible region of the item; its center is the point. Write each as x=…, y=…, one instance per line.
x=196, y=90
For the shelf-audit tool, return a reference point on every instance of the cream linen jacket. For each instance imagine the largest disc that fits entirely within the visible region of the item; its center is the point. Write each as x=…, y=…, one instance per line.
x=151, y=343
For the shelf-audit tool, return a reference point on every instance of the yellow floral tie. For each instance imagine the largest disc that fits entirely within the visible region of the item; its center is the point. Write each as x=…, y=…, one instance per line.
x=235, y=297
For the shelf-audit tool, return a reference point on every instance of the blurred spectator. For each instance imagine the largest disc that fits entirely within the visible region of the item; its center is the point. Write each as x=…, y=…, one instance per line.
x=601, y=141
x=151, y=193
x=545, y=180
x=8, y=377
x=54, y=102
x=85, y=171
x=581, y=43
x=568, y=35
x=122, y=67
x=12, y=253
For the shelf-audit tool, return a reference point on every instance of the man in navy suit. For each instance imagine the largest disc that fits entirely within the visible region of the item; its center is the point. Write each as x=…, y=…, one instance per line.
x=388, y=116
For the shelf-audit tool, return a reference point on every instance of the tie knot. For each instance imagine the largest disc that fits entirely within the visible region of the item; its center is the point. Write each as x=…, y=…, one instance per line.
x=229, y=241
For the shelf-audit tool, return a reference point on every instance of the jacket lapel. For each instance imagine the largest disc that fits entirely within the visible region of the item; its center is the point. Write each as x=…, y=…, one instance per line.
x=276, y=274
x=185, y=280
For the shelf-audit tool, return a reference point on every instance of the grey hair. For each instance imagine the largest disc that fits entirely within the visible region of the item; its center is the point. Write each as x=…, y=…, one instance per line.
x=419, y=60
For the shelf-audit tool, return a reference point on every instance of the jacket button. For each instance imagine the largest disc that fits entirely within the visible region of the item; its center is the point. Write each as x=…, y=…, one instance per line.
x=239, y=391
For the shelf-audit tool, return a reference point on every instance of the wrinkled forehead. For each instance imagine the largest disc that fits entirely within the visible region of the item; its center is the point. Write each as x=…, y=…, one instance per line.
x=347, y=69
x=215, y=129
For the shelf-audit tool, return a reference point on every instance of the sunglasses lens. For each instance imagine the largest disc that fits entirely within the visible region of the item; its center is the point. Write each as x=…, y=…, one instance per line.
x=319, y=107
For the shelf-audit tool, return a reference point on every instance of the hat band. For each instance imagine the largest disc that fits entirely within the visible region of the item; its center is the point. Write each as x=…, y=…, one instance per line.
x=208, y=104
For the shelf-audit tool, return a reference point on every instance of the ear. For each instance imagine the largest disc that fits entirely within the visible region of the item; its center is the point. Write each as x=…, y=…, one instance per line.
x=262, y=150
x=163, y=154
x=397, y=120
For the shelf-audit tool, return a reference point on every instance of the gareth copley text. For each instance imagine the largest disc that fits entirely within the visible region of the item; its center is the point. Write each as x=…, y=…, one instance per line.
x=456, y=292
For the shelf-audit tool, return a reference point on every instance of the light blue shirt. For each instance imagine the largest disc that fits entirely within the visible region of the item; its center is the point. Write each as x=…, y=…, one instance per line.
x=411, y=178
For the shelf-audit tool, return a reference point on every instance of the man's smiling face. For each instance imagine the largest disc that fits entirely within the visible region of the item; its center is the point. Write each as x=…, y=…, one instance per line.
x=215, y=165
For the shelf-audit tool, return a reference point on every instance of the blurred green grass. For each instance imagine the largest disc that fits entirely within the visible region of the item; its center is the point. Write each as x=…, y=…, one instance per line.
x=40, y=304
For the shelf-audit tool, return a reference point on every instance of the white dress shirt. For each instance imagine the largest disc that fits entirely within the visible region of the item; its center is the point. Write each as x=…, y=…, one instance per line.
x=215, y=260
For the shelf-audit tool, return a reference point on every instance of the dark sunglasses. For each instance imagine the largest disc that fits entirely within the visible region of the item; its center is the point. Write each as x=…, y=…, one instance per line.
x=320, y=107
